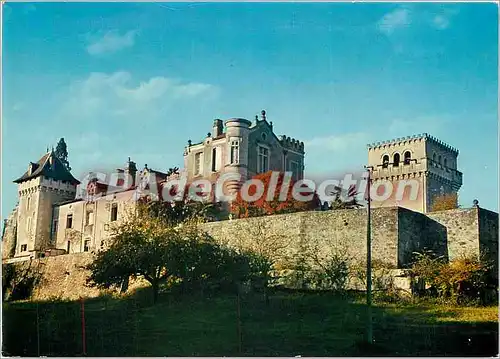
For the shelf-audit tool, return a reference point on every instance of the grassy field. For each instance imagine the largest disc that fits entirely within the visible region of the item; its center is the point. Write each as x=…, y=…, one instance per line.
x=290, y=324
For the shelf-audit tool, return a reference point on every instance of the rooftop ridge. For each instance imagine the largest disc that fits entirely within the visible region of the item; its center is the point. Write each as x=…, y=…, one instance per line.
x=420, y=136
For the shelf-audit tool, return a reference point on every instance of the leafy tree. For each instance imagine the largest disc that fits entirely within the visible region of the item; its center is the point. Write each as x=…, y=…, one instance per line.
x=138, y=248
x=339, y=203
x=262, y=206
x=62, y=153
x=445, y=202
x=163, y=248
x=172, y=213
x=172, y=171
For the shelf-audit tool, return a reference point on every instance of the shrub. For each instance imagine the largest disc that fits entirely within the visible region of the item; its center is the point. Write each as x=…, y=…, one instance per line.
x=466, y=279
x=445, y=202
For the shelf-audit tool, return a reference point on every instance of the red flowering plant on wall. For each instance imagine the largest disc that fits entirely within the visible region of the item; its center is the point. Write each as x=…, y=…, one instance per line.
x=270, y=202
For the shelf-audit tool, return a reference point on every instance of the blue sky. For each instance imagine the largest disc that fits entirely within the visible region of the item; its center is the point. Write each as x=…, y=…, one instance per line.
x=139, y=80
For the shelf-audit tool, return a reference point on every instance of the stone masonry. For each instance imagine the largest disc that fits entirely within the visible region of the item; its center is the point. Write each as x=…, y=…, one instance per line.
x=306, y=236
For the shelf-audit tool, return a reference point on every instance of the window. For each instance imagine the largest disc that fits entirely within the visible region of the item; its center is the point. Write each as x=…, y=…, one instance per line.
x=214, y=159
x=54, y=228
x=235, y=152
x=24, y=247
x=28, y=224
x=69, y=221
x=445, y=162
x=396, y=160
x=86, y=245
x=434, y=157
x=407, y=157
x=294, y=167
x=114, y=212
x=263, y=159
x=68, y=246
x=28, y=203
x=89, y=218
x=439, y=160
x=385, y=161
x=197, y=163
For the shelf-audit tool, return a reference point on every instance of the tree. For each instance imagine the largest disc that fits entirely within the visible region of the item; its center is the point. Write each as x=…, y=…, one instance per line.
x=445, y=202
x=62, y=153
x=140, y=247
x=339, y=203
x=163, y=247
x=263, y=206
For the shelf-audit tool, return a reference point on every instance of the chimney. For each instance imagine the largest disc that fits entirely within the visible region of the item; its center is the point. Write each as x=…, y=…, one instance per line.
x=218, y=128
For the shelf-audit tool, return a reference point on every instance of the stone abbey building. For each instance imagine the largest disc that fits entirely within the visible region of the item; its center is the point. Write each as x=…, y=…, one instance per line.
x=51, y=219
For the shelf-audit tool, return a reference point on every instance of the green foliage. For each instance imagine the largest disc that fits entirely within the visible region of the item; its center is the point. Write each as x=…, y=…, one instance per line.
x=172, y=213
x=338, y=203
x=62, y=153
x=168, y=251
x=19, y=282
x=383, y=286
x=463, y=280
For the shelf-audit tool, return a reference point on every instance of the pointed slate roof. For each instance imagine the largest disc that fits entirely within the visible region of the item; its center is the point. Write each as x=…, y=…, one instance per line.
x=56, y=171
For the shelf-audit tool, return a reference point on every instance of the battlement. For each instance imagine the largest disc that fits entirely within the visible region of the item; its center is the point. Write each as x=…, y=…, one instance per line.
x=414, y=138
x=291, y=143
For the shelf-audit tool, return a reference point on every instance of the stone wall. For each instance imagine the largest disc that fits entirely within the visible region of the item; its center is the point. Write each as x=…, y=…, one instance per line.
x=63, y=277
x=417, y=233
x=291, y=237
x=294, y=239
x=9, y=235
x=462, y=230
x=488, y=235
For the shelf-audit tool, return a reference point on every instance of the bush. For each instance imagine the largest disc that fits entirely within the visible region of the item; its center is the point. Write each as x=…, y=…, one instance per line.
x=463, y=280
x=383, y=286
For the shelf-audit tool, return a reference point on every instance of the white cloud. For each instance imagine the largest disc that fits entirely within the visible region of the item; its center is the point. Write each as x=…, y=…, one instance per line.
x=440, y=22
x=106, y=96
x=396, y=19
x=111, y=41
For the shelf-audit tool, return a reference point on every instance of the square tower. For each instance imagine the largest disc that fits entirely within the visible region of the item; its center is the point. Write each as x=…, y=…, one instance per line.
x=46, y=183
x=411, y=171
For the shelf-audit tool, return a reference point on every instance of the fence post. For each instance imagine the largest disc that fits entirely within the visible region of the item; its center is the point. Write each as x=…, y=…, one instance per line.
x=83, y=326
x=239, y=320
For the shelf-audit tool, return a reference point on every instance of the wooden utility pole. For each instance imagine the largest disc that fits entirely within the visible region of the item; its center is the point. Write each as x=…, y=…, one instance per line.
x=369, y=326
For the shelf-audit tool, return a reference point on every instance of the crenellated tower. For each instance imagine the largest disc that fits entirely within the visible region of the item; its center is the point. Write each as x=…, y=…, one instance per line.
x=404, y=162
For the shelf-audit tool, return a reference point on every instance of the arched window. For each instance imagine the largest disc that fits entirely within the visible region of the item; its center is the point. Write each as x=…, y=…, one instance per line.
x=434, y=157
x=396, y=160
x=407, y=157
x=445, y=162
x=439, y=159
x=385, y=161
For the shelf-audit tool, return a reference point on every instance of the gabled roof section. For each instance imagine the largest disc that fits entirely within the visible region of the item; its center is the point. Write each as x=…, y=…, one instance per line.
x=57, y=171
